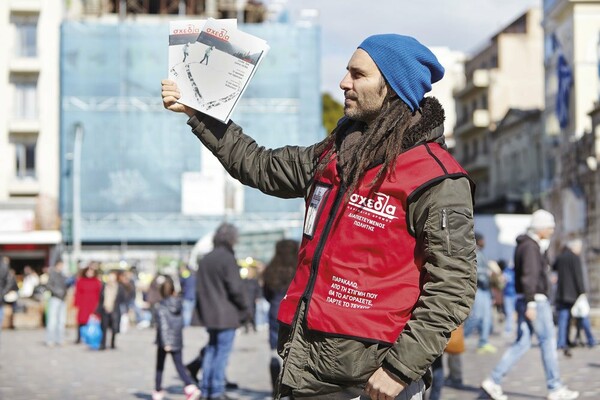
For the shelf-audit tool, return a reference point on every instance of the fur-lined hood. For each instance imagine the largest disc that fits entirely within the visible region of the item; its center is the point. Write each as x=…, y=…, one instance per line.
x=427, y=124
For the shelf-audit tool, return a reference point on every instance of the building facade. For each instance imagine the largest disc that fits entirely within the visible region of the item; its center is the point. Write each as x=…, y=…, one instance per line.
x=507, y=73
x=29, y=123
x=571, y=119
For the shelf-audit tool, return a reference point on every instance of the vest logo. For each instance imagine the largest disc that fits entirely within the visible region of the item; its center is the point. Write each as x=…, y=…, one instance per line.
x=379, y=205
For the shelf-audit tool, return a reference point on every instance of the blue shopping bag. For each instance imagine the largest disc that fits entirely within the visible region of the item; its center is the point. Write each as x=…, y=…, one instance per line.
x=91, y=333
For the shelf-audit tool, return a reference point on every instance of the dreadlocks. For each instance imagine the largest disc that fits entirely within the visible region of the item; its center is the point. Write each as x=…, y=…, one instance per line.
x=383, y=141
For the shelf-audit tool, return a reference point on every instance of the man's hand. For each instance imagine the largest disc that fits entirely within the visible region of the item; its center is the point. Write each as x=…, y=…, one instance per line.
x=167, y=348
x=530, y=313
x=170, y=95
x=383, y=386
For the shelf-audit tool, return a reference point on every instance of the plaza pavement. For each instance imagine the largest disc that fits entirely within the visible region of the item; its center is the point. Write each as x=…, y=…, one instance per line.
x=31, y=371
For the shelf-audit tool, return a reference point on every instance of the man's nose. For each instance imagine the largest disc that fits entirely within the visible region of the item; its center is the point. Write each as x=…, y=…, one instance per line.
x=346, y=82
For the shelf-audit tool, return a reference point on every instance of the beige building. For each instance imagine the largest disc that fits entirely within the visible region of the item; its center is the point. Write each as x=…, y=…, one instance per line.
x=454, y=77
x=516, y=168
x=571, y=33
x=29, y=123
x=507, y=73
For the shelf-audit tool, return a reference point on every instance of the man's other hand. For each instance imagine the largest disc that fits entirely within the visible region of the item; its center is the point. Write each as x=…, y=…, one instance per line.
x=383, y=386
x=170, y=95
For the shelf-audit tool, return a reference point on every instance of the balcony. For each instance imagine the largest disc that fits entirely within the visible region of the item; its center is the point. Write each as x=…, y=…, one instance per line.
x=477, y=165
x=24, y=65
x=479, y=119
x=479, y=80
x=23, y=126
x=25, y=6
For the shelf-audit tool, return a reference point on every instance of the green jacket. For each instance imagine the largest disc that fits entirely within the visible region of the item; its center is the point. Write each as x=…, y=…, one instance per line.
x=333, y=367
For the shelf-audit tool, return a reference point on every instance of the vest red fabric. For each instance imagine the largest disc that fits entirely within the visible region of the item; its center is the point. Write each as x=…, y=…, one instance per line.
x=357, y=265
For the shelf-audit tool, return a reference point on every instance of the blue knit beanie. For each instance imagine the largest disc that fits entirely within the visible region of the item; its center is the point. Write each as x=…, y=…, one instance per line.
x=409, y=67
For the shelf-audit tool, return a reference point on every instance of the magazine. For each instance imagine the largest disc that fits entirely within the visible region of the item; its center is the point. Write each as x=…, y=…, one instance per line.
x=212, y=63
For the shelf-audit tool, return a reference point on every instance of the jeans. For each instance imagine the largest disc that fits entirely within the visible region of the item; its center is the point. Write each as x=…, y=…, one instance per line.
x=161, y=355
x=437, y=383
x=188, y=311
x=564, y=319
x=509, y=313
x=584, y=323
x=543, y=327
x=218, y=349
x=481, y=316
x=56, y=321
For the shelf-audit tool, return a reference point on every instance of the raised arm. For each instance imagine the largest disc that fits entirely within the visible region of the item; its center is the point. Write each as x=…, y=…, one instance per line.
x=284, y=172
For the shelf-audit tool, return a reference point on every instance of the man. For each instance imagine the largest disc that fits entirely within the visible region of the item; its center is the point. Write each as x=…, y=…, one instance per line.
x=534, y=311
x=5, y=284
x=221, y=308
x=57, y=309
x=187, y=281
x=386, y=268
x=481, y=314
x=207, y=54
x=569, y=286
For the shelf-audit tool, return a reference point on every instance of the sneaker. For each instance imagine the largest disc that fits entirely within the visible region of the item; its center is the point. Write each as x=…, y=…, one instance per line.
x=563, y=393
x=567, y=352
x=493, y=390
x=158, y=395
x=191, y=392
x=486, y=349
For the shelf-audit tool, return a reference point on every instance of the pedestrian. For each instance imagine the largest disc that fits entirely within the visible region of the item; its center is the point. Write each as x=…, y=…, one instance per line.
x=569, y=286
x=5, y=285
x=534, y=312
x=480, y=318
x=87, y=295
x=453, y=351
x=169, y=340
x=509, y=297
x=31, y=280
x=253, y=291
x=386, y=268
x=56, y=314
x=112, y=299
x=221, y=308
x=277, y=278
x=187, y=281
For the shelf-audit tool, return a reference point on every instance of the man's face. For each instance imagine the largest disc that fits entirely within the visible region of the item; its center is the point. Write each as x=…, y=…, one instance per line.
x=364, y=88
x=545, y=233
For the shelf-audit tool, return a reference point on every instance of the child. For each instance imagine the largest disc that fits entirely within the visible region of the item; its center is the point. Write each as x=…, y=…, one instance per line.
x=169, y=339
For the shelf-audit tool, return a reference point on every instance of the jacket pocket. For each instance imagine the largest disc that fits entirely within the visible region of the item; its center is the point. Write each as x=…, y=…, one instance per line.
x=344, y=361
x=449, y=230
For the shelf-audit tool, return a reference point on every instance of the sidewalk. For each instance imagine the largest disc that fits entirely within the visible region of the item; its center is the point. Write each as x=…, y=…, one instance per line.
x=29, y=370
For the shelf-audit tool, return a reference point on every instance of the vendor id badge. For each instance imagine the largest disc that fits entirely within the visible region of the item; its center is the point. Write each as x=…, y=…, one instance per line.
x=314, y=208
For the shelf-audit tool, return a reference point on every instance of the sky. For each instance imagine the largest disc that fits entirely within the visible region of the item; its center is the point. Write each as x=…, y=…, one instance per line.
x=464, y=25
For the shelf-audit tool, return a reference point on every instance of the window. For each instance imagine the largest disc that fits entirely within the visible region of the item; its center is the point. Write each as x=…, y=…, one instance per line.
x=25, y=105
x=25, y=159
x=25, y=36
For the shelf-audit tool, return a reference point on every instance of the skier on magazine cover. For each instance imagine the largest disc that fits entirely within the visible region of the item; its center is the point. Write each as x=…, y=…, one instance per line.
x=186, y=51
x=387, y=263
x=207, y=54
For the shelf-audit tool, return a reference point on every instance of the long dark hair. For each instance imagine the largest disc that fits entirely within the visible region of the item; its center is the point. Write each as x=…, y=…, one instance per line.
x=280, y=270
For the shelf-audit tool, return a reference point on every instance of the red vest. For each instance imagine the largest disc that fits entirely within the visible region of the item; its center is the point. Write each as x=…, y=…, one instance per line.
x=358, y=265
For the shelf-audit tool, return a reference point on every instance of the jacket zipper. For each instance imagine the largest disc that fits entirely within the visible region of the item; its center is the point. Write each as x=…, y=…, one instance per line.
x=306, y=296
x=445, y=229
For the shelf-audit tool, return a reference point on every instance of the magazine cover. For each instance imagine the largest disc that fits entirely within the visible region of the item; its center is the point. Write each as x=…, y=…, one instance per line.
x=212, y=62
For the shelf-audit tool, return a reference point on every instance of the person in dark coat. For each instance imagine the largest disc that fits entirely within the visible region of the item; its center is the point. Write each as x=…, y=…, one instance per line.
x=569, y=286
x=277, y=277
x=87, y=295
x=112, y=298
x=222, y=306
x=57, y=309
x=169, y=339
